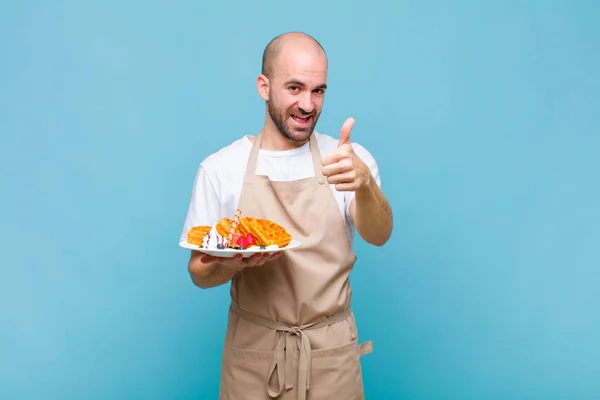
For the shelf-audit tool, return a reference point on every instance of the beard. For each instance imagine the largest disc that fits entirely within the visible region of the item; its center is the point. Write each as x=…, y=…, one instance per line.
x=296, y=134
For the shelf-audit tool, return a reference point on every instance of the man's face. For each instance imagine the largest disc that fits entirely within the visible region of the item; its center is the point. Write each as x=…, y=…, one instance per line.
x=296, y=93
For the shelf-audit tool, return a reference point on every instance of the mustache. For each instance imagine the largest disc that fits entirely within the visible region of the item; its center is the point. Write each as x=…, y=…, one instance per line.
x=301, y=113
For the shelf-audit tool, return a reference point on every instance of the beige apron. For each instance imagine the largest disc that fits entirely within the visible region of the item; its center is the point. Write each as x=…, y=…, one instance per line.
x=291, y=334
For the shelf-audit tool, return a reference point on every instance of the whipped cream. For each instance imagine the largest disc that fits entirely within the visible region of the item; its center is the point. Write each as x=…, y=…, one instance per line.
x=213, y=239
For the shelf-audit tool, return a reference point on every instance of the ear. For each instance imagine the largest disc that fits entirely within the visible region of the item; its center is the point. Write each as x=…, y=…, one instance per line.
x=262, y=85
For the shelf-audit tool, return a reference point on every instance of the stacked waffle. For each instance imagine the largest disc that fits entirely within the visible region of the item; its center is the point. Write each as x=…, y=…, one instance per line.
x=265, y=233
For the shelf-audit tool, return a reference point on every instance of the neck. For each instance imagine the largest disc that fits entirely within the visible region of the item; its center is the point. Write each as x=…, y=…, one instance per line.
x=273, y=140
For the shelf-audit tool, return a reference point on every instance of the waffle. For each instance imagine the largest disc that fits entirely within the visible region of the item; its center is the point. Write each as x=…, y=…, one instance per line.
x=265, y=232
x=224, y=227
x=197, y=233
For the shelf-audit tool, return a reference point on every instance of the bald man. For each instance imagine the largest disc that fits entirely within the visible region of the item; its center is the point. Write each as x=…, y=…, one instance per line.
x=291, y=333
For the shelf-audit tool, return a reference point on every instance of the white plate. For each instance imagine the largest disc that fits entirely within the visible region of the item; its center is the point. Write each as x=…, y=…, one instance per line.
x=294, y=244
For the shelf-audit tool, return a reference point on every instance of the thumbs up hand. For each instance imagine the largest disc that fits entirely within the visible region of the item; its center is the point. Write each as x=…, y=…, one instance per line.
x=342, y=167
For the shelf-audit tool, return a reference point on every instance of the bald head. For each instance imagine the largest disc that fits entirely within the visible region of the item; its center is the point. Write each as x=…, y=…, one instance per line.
x=288, y=42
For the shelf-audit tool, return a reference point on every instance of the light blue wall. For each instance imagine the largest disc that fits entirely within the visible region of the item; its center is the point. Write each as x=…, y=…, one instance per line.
x=484, y=118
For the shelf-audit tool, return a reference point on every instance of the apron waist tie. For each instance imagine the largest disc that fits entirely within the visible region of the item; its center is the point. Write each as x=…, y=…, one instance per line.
x=281, y=362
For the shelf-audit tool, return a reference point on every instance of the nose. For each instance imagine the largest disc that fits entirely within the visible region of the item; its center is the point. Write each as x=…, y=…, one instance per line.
x=305, y=102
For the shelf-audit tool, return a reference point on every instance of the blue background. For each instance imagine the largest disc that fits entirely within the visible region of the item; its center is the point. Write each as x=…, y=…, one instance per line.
x=484, y=118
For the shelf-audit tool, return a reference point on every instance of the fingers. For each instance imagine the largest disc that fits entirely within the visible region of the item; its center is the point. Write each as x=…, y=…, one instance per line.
x=333, y=157
x=255, y=260
x=345, y=132
x=347, y=186
x=343, y=177
x=208, y=259
x=341, y=166
x=340, y=153
x=260, y=259
x=238, y=260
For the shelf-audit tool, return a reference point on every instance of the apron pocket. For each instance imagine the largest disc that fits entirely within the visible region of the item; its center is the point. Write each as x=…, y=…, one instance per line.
x=244, y=374
x=336, y=373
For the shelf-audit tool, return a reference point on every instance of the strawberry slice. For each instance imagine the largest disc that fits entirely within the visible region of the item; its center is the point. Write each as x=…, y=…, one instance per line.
x=250, y=240
x=242, y=242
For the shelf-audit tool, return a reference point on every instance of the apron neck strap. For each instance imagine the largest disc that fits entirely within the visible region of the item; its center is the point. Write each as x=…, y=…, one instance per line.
x=314, y=150
x=316, y=157
x=252, y=160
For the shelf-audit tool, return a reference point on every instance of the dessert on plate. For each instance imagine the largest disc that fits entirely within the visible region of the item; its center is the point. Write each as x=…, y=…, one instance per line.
x=241, y=234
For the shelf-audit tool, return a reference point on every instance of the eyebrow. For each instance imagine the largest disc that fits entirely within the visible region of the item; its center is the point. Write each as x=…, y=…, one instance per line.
x=297, y=82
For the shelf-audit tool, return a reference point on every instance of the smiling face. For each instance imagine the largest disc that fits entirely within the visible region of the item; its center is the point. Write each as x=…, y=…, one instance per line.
x=295, y=89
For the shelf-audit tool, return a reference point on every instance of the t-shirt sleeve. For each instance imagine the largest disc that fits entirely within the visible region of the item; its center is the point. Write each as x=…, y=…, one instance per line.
x=369, y=160
x=204, y=203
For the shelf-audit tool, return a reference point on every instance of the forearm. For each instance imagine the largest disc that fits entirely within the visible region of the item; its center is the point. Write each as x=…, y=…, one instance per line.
x=209, y=275
x=372, y=214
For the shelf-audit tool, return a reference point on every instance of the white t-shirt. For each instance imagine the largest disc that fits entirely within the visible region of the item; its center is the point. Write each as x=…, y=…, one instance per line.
x=219, y=179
